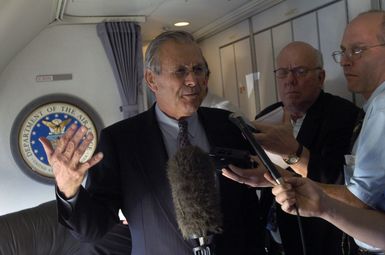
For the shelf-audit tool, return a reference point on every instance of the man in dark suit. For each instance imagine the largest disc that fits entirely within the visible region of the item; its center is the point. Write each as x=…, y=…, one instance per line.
x=132, y=174
x=312, y=139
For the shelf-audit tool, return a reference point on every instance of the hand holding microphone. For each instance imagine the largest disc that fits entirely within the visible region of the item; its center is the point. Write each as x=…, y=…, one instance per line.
x=302, y=193
x=246, y=130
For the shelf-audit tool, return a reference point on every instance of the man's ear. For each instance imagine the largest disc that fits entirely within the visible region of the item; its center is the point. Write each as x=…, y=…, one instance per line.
x=149, y=76
x=321, y=76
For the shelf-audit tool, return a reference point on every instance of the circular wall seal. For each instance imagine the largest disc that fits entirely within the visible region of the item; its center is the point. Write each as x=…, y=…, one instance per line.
x=49, y=116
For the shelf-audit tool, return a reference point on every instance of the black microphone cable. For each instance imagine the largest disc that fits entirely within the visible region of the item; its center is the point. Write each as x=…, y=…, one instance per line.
x=300, y=230
x=247, y=133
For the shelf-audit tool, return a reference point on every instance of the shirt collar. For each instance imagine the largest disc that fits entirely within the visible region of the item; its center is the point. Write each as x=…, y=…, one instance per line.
x=172, y=123
x=297, y=125
x=376, y=92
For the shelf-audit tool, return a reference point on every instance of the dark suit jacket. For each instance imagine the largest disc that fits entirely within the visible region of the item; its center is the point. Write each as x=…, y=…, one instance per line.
x=132, y=176
x=326, y=132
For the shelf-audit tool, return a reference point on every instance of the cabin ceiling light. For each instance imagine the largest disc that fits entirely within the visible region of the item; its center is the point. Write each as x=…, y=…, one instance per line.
x=181, y=24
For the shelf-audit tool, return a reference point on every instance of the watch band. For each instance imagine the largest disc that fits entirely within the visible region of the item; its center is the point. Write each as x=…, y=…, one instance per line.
x=294, y=158
x=299, y=151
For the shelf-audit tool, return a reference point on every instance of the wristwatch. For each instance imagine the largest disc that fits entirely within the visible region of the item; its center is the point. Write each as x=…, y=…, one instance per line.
x=294, y=158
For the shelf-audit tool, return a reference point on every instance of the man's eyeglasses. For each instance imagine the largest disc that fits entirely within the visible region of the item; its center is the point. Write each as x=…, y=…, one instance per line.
x=352, y=54
x=298, y=72
x=199, y=71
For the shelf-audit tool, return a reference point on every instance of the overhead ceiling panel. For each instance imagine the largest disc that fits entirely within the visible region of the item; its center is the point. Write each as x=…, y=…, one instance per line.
x=111, y=7
x=198, y=12
x=20, y=22
x=206, y=17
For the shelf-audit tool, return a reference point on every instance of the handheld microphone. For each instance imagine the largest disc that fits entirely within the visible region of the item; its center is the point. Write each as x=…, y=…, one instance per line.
x=247, y=133
x=195, y=194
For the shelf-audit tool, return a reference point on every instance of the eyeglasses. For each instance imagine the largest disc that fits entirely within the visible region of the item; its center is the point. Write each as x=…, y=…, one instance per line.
x=199, y=71
x=352, y=54
x=298, y=72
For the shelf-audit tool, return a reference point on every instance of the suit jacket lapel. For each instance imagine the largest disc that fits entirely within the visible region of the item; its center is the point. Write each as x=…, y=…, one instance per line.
x=206, y=126
x=311, y=123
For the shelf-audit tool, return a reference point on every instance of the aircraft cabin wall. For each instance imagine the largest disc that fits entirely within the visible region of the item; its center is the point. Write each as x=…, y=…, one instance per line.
x=247, y=47
x=243, y=61
x=58, y=49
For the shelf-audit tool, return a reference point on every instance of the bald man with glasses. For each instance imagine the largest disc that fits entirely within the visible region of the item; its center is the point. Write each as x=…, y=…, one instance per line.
x=312, y=139
x=362, y=57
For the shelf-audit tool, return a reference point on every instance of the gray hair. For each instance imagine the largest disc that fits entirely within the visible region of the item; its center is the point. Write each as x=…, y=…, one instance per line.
x=152, y=53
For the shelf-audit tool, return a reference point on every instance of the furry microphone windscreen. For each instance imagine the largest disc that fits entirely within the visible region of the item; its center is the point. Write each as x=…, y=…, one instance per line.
x=195, y=193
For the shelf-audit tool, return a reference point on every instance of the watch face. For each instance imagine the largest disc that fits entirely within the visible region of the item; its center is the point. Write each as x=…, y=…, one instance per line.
x=49, y=120
x=291, y=160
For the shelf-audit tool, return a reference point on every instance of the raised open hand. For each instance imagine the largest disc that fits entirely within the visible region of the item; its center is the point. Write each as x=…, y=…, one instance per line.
x=65, y=159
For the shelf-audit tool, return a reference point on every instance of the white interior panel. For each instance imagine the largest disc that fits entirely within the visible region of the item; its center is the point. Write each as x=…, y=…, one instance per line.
x=229, y=75
x=111, y=7
x=20, y=22
x=162, y=14
x=265, y=66
x=284, y=11
x=305, y=29
x=333, y=16
x=357, y=6
x=245, y=89
x=211, y=53
x=231, y=34
x=210, y=48
x=282, y=35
